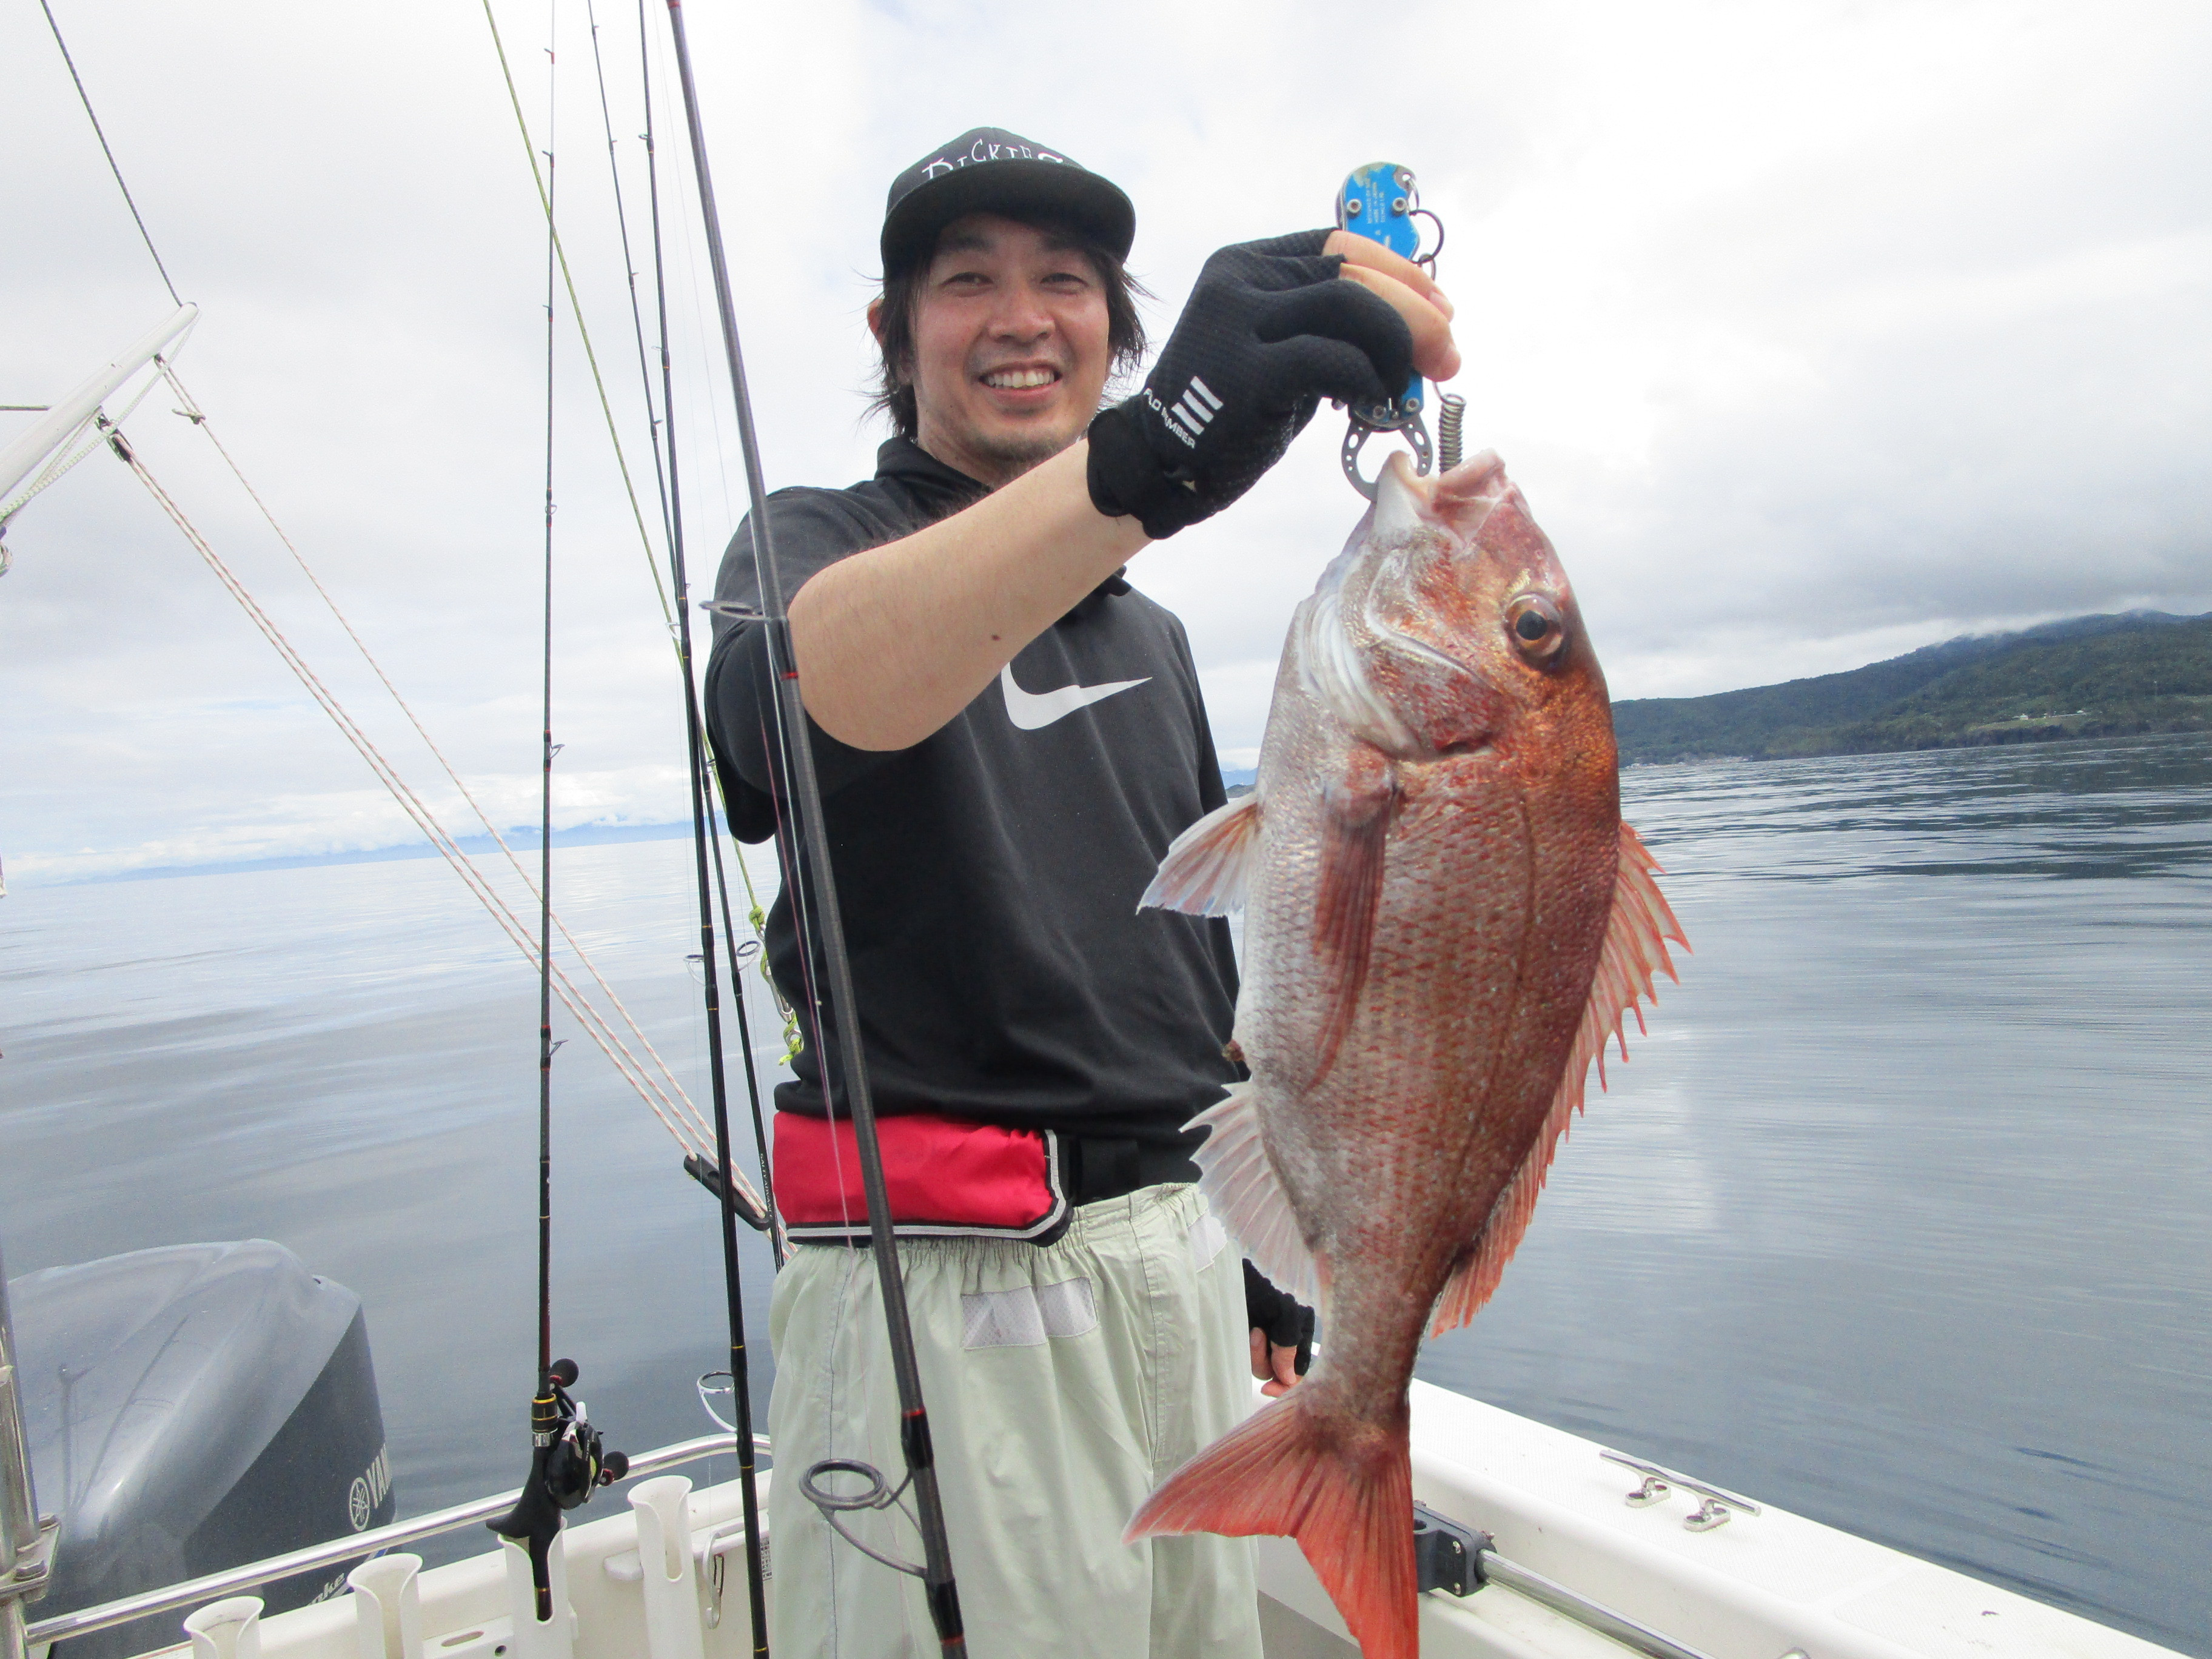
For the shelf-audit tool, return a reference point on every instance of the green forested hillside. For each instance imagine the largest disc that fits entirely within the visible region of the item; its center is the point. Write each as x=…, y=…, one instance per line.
x=2087, y=677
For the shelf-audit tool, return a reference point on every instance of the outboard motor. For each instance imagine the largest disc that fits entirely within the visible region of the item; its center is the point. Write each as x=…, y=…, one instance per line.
x=193, y=1408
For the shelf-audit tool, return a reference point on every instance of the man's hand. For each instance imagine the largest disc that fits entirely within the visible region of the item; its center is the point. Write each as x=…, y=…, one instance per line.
x=1276, y=1368
x=1282, y=1334
x=1413, y=294
x=1271, y=329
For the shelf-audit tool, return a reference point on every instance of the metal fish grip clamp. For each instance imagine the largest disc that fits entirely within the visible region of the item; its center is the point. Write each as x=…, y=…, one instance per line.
x=1381, y=202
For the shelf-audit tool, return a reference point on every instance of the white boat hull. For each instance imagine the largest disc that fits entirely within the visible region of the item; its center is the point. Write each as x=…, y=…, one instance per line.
x=1760, y=1586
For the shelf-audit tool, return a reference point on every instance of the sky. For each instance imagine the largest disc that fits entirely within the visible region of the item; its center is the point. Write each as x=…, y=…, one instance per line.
x=1814, y=333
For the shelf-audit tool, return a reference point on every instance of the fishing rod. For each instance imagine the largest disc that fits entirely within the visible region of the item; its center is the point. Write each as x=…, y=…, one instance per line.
x=659, y=429
x=706, y=838
x=723, y=1184
x=568, y=1460
x=805, y=798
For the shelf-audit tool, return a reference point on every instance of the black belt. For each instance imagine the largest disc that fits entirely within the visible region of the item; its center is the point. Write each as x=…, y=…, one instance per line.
x=1096, y=1166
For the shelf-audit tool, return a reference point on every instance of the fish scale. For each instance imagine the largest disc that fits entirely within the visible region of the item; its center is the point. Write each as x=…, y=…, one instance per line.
x=1445, y=921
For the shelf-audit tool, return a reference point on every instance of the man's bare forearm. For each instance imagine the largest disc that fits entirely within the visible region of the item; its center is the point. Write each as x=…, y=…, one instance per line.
x=893, y=642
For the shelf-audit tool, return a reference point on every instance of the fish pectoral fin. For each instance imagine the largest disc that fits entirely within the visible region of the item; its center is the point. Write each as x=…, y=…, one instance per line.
x=1355, y=829
x=1207, y=866
x=1240, y=1185
x=1636, y=934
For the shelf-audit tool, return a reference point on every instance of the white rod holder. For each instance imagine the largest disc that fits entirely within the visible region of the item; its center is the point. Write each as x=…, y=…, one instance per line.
x=555, y=1638
x=670, y=1577
x=227, y=1630
x=387, y=1605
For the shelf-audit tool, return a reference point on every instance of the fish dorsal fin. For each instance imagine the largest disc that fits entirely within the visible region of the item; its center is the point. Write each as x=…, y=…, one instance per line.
x=1242, y=1186
x=1207, y=866
x=1636, y=936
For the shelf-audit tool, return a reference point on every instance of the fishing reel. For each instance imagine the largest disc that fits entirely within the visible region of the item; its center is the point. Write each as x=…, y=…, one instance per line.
x=1381, y=202
x=569, y=1463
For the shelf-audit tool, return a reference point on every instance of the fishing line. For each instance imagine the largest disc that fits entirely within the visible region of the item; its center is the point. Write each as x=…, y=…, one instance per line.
x=940, y=1590
x=85, y=98
x=694, y=1133
x=686, y=1126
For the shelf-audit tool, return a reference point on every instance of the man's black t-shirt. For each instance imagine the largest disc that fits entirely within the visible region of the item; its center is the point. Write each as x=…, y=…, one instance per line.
x=988, y=876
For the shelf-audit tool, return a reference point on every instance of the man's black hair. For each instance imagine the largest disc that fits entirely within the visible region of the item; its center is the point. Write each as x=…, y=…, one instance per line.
x=1125, y=330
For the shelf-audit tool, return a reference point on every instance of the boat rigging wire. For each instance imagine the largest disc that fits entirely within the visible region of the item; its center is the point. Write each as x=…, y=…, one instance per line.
x=664, y=1096
x=85, y=98
x=661, y=1101
x=940, y=1588
x=678, y=1101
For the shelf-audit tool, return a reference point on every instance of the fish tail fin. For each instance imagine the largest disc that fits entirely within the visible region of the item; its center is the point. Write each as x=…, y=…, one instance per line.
x=1341, y=1484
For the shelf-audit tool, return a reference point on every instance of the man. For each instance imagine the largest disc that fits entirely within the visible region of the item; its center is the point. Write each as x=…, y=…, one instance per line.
x=1007, y=738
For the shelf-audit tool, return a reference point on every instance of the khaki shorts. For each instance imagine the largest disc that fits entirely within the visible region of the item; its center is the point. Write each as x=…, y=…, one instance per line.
x=1063, y=1382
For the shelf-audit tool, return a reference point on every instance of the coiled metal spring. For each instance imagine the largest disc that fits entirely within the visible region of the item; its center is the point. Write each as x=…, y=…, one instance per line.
x=1451, y=418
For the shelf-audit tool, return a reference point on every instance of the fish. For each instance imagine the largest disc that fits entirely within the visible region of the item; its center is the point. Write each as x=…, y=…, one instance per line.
x=1446, y=922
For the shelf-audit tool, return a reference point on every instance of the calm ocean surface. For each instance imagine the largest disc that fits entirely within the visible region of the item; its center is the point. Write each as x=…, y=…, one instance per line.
x=1901, y=1217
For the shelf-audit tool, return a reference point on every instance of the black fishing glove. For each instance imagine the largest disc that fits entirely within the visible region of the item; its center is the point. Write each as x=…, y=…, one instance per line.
x=1270, y=330
x=1287, y=1323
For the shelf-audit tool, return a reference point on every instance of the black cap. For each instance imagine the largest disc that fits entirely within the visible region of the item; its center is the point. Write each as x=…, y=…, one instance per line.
x=990, y=170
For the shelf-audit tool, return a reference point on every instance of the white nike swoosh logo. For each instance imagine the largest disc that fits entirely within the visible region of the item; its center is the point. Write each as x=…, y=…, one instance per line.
x=1033, y=710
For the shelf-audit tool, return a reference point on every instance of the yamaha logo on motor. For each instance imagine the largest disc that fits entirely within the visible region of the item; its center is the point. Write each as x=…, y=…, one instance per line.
x=369, y=1489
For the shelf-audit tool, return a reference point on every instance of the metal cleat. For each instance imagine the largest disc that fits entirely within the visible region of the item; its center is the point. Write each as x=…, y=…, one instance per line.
x=1718, y=1505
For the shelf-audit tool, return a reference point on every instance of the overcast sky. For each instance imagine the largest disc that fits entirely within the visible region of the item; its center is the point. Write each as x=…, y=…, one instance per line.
x=1814, y=333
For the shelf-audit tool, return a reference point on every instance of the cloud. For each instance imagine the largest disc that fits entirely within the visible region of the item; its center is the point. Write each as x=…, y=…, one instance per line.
x=1814, y=333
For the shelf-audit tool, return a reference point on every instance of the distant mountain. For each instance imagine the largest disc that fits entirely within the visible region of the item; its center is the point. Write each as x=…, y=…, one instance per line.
x=2087, y=677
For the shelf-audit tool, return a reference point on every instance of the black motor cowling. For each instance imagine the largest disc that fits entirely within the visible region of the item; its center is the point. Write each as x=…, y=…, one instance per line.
x=193, y=1408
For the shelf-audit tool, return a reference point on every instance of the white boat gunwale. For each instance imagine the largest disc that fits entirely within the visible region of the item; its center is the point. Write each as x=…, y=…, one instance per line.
x=1766, y=1587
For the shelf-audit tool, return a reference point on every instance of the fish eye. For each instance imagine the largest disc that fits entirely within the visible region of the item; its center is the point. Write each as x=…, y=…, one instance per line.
x=1537, y=628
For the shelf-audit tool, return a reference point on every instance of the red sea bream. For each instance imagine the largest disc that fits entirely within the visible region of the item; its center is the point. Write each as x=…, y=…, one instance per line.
x=1445, y=921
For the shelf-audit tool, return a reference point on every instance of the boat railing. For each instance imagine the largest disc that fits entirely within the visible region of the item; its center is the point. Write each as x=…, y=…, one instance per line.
x=234, y=1580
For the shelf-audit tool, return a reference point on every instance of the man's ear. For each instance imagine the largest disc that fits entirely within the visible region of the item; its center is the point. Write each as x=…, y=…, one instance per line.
x=876, y=318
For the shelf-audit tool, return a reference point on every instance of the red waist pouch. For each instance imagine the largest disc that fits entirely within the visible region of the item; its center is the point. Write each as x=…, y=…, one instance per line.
x=947, y=1179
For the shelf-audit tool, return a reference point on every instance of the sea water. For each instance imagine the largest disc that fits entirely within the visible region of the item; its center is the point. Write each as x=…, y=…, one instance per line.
x=1900, y=1218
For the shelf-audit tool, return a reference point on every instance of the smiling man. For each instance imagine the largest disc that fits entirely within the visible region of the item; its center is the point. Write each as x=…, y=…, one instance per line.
x=1008, y=737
